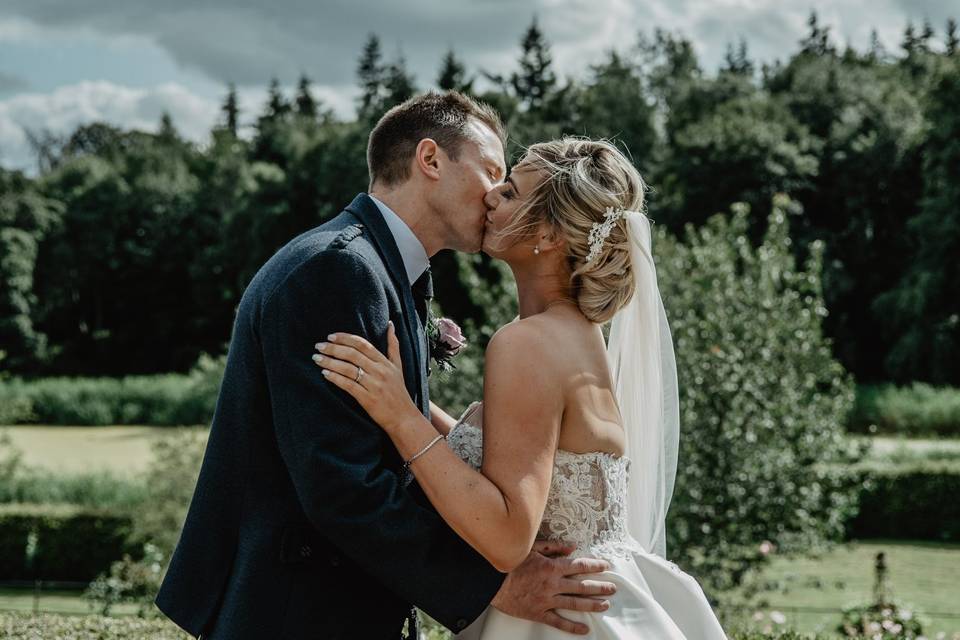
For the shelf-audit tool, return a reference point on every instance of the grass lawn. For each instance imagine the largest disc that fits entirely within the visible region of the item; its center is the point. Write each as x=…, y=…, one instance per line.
x=924, y=575
x=120, y=448
x=899, y=449
x=54, y=601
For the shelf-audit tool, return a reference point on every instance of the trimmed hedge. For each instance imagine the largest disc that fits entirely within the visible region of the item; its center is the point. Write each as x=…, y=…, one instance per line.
x=917, y=410
x=918, y=502
x=59, y=542
x=161, y=400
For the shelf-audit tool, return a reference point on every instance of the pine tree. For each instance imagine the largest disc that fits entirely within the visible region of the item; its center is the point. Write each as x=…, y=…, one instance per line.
x=737, y=61
x=876, y=52
x=277, y=105
x=231, y=110
x=925, y=36
x=952, y=41
x=909, y=44
x=398, y=83
x=453, y=75
x=817, y=41
x=167, y=132
x=536, y=80
x=371, y=75
x=306, y=105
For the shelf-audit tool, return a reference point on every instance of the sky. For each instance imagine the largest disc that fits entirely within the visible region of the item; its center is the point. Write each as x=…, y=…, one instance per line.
x=68, y=62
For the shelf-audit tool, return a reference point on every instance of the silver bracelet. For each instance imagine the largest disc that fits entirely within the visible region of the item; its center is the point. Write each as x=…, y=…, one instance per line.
x=406, y=465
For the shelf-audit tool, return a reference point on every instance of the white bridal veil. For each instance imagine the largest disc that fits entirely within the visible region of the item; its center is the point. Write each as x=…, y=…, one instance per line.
x=644, y=370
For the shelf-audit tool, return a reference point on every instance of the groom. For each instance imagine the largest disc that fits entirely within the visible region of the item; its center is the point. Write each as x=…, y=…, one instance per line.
x=301, y=524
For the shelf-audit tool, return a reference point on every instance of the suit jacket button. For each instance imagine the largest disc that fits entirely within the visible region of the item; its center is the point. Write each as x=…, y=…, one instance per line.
x=306, y=551
x=461, y=624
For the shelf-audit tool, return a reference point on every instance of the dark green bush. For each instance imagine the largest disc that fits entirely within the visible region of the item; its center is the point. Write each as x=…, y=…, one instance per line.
x=59, y=542
x=918, y=410
x=917, y=502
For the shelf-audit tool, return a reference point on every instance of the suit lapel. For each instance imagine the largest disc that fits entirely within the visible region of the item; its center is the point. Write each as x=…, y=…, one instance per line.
x=366, y=210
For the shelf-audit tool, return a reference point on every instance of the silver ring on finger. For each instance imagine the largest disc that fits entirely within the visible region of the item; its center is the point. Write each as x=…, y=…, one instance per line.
x=360, y=373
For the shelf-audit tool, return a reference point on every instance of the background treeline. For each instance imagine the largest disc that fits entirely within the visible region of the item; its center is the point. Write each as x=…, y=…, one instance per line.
x=128, y=252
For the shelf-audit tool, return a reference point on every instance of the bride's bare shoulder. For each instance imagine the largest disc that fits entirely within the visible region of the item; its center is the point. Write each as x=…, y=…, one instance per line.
x=527, y=334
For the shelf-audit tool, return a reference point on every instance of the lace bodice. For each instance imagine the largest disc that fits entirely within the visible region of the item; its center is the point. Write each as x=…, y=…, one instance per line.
x=587, y=497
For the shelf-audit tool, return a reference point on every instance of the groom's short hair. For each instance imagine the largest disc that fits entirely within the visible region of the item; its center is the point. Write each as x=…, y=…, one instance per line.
x=442, y=117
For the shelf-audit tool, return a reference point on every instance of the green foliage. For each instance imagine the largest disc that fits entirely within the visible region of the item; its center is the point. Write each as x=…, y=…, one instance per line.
x=23, y=626
x=923, y=308
x=917, y=410
x=129, y=581
x=161, y=400
x=26, y=216
x=41, y=541
x=880, y=622
x=762, y=399
x=170, y=481
x=94, y=489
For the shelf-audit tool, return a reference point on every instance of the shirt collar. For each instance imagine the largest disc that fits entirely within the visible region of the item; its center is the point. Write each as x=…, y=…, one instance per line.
x=415, y=259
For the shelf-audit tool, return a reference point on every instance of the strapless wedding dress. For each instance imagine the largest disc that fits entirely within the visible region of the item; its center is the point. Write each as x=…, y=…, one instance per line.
x=655, y=600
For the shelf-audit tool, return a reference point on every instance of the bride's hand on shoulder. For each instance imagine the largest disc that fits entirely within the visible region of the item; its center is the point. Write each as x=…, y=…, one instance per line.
x=373, y=379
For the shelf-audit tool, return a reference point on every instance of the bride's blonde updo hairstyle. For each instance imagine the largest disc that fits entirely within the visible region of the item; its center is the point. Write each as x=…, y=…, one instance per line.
x=583, y=178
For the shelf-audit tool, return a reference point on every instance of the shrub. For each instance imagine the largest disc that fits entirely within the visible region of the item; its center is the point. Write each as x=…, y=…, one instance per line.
x=916, y=501
x=161, y=400
x=763, y=402
x=170, y=481
x=129, y=581
x=59, y=542
x=880, y=622
x=917, y=410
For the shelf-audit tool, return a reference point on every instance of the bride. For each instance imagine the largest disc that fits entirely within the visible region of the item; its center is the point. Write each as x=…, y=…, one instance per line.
x=576, y=439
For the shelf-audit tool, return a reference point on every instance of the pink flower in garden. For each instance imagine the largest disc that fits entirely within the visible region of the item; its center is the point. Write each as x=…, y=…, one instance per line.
x=767, y=547
x=451, y=336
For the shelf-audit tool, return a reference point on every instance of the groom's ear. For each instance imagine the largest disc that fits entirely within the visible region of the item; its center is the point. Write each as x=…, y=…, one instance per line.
x=427, y=158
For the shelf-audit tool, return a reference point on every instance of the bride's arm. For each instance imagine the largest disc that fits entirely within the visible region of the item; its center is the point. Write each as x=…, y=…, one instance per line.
x=441, y=420
x=498, y=511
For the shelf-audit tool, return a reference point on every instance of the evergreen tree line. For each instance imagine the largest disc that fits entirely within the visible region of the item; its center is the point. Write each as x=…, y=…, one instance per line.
x=128, y=252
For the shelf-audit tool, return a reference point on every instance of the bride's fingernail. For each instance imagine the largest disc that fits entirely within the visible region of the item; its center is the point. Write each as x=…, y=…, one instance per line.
x=332, y=337
x=317, y=358
x=321, y=346
x=325, y=373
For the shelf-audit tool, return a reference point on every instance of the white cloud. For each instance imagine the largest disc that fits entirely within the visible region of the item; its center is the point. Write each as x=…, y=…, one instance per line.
x=61, y=111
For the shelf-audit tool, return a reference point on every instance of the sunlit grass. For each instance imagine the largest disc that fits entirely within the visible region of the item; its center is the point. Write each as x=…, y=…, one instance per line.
x=923, y=575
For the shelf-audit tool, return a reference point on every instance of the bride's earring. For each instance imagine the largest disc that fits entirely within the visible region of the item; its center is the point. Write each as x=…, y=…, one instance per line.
x=536, y=250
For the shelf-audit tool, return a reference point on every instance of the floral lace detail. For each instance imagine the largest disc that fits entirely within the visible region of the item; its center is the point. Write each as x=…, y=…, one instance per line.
x=586, y=504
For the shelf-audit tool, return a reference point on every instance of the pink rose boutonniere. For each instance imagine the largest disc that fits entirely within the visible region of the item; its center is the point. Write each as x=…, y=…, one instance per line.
x=446, y=342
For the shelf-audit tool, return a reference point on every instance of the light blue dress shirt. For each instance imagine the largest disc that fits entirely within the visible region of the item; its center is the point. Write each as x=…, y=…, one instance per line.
x=415, y=259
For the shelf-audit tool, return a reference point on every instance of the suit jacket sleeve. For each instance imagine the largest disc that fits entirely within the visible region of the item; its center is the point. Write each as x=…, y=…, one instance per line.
x=334, y=452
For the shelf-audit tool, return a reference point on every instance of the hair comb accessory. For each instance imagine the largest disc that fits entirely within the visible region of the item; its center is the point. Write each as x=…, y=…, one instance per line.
x=600, y=231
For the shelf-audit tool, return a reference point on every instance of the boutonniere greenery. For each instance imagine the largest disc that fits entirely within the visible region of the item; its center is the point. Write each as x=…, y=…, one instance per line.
x=446, y=342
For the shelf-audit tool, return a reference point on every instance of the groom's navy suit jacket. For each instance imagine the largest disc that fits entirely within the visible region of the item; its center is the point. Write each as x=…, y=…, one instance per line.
x=300, y=526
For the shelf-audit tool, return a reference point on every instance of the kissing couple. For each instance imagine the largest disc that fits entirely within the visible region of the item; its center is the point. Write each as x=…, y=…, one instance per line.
x=334, y=498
